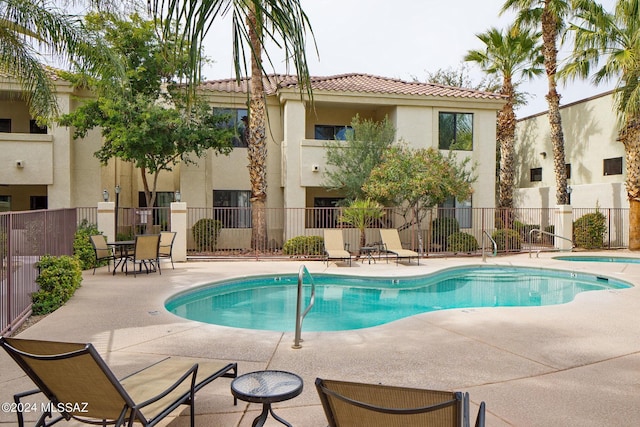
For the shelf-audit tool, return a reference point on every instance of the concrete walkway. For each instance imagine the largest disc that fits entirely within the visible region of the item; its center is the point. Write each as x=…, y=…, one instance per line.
x=576, y=364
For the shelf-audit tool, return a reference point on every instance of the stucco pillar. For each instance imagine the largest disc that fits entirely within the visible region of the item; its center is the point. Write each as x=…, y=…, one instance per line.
x=294, y=192
x=565, y=228
x=59, y=193
x=107, y=220
x=179, y=226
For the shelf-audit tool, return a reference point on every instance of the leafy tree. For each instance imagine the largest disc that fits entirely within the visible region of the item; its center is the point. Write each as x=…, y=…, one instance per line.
x=551, y=16
x=255, y=23
x=507, y=54
x=28, y=30
x=615, y=37
x=353, y=160
x=459, y=77
x=149, y=126
x=362, y=214
x=418, y=180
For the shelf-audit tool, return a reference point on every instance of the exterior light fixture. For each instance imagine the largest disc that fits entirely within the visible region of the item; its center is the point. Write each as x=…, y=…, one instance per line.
x=105, y=195
x=117, y=189
x=543, y=154
x=178, y=196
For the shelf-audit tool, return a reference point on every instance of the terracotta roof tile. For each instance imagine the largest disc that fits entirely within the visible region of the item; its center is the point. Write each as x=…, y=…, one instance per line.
x=357, y=83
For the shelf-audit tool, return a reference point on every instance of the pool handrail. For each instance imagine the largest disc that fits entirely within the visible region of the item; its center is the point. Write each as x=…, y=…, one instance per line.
x=299, y=314
x=548, y=234
x=493, y=242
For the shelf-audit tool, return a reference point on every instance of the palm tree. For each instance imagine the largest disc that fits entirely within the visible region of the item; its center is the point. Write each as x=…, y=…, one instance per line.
x=255, y=22
x=505, y=55
x=615, y=37
x=28, y=27
x=362, y=214
x=550, y=16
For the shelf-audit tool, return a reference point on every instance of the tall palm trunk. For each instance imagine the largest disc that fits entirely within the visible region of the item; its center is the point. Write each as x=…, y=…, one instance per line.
x=630, y=137
x=550, y=53
x=506, y=141
x=257, y=142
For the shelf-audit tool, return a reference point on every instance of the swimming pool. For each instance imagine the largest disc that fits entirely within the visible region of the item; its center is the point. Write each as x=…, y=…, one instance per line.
x=350, y=302
x=629, y=260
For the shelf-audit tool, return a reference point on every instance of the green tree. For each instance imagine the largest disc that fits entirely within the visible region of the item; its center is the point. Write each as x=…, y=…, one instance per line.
x=508, y=54
x=551, y=16
x=351, y=161
x=459, y=77
x=29, y=30
x=362, y=214
x=418, y=180
x=149, y=126
x=615, y=39
x=255, y=23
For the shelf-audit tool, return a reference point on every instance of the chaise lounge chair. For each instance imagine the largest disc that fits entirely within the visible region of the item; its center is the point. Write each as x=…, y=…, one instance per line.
x=373, y=405
x=79, y=385
x=391, y=242
x=334, y=247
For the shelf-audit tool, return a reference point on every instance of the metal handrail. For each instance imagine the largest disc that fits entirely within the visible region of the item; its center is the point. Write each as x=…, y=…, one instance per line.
x=495, y=246
x=299, y=314
x=548, y=234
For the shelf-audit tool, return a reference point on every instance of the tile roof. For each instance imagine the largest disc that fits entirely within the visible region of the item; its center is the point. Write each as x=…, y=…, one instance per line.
x=358, y=83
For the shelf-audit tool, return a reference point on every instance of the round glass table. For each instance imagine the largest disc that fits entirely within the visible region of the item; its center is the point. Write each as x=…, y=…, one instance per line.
x=266, y=387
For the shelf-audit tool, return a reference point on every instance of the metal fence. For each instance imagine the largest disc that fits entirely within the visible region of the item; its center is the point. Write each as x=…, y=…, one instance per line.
x=227, y=232
x=24, y=238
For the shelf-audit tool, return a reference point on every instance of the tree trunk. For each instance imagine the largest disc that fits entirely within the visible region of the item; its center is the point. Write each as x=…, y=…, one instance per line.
x=630, y=138
x=506, y=140
x=257, y=142
x=550, y=53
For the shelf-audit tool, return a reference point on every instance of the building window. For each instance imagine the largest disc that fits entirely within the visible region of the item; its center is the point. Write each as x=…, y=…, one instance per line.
x=5, y=203
x=324, y=213
x=232, y=208
x=535, y=174
x=331, y=132
x=34, y=128
x=460, y=210
x=38, y=203
x=160, y=216
x=455, y=131
x=5, y=125
x=238, y=122
x=613, y=166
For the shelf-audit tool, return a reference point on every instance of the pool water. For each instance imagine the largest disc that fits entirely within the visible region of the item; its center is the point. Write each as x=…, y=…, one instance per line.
x=348, y=302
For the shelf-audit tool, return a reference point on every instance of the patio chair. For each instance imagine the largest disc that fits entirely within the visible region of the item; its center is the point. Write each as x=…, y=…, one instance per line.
x=166, y=245
x=391, y=244
x=102, y=251
x=80, y=386
x=373, y=405
x=334, y=246
x=146, y=252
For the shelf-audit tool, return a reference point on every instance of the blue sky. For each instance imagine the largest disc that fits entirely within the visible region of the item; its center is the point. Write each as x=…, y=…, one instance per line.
x=403, y=39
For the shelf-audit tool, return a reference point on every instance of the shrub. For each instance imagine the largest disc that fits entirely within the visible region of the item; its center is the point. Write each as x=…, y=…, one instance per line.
x=58, y=279
x=462, y=242
x=525, y=230
x=82, y=248
x=304, y=245
x=589, y=230
x=507, y=240
x=205, y=234
x=546, y=238
x=442, y=228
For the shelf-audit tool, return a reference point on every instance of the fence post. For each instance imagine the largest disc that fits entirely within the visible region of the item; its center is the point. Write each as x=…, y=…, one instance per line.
x=106, y=220
x=179, y=226
x=565, y=225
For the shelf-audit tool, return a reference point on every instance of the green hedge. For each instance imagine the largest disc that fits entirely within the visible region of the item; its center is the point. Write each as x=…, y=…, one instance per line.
x=304, y=245
x=507, y=240
x=82, y=248
x=589, y=231
x=442, y=228
x=58, y=280
x=462, y=242
x=205, y=234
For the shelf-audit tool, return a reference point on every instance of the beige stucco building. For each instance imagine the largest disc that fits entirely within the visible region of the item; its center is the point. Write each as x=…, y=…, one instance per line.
x=53, y=170
x=595, y=160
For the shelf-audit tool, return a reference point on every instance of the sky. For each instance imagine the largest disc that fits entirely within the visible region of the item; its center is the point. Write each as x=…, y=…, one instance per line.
x=404, y=39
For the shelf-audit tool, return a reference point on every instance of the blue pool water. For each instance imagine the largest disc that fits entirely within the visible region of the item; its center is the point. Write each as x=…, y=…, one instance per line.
x=628, y=260
x=348, y=302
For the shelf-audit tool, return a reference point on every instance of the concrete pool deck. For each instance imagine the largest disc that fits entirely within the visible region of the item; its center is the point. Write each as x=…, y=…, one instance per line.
x=576, y=364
